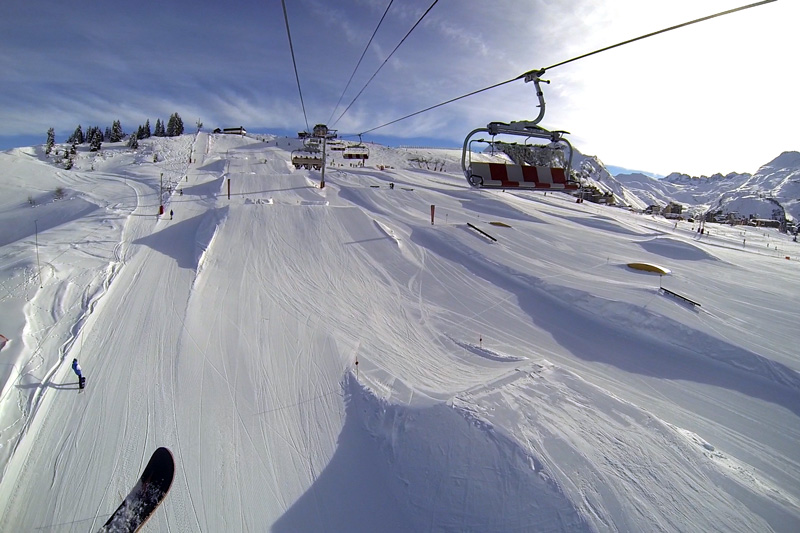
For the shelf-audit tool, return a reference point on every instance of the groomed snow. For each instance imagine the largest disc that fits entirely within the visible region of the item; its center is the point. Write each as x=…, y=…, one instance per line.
x=326, y=359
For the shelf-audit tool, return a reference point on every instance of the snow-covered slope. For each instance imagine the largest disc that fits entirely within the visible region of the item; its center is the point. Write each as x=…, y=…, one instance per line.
x=330, y=359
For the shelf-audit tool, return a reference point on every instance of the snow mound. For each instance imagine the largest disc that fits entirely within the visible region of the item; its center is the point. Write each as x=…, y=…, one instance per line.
x=675, y=249
x=442, y=469
x=596, y=448
x=603, y=223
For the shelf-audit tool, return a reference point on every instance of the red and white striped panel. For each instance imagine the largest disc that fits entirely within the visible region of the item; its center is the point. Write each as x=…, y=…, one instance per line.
x=499, y=175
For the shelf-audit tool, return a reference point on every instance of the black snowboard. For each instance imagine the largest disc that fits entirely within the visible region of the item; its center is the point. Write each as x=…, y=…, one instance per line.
x=145, y=497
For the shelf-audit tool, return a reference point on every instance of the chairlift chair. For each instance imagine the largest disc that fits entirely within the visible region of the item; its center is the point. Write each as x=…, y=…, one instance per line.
x=307, y=160
x=356, y=151
x=312, y=144
x=546, y=166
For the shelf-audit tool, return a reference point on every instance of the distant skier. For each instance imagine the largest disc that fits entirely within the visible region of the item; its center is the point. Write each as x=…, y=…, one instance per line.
x=171, y=214
x=77, y=369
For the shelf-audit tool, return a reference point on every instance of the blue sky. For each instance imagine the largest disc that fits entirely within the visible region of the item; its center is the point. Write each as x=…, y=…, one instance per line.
x=714, y=97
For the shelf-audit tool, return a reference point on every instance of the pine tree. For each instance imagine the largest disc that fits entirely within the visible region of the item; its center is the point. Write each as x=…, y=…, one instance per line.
x=116, y=132
x=175, y=125
x=93, y=132
x=51, y=140
x=147, y=129
x=133, y=141
x=159, y=131
x=77, y=136
x=96, y=141
x=140, y=132
x=178, y=125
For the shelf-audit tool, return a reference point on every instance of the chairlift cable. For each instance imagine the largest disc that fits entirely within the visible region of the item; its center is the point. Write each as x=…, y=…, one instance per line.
x=386, y=61
x=360, y=60
x=541, y=71
x=294, y=62
x=702, y=19
x=440, y=105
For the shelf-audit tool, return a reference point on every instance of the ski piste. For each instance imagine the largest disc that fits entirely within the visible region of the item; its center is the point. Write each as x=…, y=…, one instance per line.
x=146, y=495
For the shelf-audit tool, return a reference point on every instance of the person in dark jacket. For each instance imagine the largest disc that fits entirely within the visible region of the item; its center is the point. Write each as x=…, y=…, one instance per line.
x=76, y=367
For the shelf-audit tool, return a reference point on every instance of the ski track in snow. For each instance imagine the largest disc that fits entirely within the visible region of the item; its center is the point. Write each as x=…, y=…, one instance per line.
x=326, y=359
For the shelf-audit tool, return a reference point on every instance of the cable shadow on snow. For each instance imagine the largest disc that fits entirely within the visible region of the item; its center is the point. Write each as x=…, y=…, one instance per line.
x=627, y=336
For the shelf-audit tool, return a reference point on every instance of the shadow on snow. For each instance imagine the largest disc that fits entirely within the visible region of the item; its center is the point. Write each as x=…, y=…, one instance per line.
x=399, y=469
x=633, y=338
x=184, y=240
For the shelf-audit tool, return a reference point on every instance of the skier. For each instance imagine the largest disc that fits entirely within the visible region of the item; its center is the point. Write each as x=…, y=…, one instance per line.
x=171, y=214
x=77, y=369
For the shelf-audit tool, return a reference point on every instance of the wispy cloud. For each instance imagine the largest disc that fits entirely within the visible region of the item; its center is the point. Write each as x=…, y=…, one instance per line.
x=641, y=105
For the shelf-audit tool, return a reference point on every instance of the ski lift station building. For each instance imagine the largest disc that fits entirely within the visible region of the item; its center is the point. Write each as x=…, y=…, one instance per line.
x=231, y=131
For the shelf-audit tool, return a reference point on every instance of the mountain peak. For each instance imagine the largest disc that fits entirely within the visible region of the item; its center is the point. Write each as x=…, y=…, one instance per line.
x=786, y=160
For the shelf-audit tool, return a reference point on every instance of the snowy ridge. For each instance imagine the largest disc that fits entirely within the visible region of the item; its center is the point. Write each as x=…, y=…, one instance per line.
x=773, y=191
